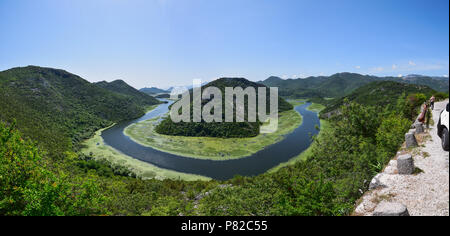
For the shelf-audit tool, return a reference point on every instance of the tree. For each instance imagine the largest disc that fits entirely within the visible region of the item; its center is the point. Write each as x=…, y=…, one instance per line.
x=27, y=187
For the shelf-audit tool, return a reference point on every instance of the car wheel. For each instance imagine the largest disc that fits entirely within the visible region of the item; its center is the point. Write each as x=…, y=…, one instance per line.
x=445, y=139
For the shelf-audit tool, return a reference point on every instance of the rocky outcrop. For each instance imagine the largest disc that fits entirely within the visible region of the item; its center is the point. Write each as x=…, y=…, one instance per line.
x=410, y=140
x=419, y=128
x=376, y=182
x=405, y=164
x=390, y=209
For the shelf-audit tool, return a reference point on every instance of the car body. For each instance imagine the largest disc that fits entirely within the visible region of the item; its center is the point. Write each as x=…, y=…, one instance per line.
x=443, y=128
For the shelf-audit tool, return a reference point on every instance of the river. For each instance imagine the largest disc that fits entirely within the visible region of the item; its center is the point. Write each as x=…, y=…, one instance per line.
x=292, y=145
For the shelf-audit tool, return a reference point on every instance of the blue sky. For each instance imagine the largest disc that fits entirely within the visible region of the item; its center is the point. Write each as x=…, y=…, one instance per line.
x=170, y=42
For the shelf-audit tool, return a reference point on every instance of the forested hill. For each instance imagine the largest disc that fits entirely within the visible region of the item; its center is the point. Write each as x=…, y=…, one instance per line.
x=153, y=90
x=222, y=83
x=342, y=84
x=138, y=97
x=221, y=129
x=379, y=93
x=57, y=108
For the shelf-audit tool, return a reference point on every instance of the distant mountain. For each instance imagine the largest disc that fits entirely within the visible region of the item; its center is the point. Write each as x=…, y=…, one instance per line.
x=413, y=76
x=437, y=83
x=220, y=129
x=153, y=90
x=59, y=109
x=138, y=97
x=163, y=95
x=342, y=84
x=444, y=78
x=416, y=76
x=379, y=93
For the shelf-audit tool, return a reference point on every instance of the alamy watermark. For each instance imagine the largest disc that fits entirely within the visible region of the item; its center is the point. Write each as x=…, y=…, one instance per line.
x=234, y=105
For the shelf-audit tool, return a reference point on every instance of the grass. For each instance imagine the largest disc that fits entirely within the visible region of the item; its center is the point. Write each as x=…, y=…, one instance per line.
x=150, y=108
x=417, y=171
x=209, y=147
x=296, y=102
x=99, y=150
x=316, y=107
x=383, y=197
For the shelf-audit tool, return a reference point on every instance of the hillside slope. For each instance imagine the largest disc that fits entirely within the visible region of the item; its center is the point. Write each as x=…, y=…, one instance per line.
x=380, y=93
x=57, y=108
x=138, y=97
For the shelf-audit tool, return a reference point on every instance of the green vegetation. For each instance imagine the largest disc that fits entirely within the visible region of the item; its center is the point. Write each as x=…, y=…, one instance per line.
x=27, y=187
x=57, y=109
x=316, y=107
x=220, y=129
x=296, y=102
x=98, y=150
x=441, y=96
x=150, y=108
x=341, y=163
x=137, y=97
x=208, y=147
x=338, y=85
x=343, y=159
x=61, y=109
x=379, y=94
x=153, y=90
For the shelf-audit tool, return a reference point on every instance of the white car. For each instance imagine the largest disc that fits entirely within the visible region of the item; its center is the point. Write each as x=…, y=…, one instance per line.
x=442, y=128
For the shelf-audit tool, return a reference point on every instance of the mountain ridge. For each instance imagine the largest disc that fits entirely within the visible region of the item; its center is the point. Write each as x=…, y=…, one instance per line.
x=59, y=108
x=341, y=84
x=153, y=90
x=120, y=86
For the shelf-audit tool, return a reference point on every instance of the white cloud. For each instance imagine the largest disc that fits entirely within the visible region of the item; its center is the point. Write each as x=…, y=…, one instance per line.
x=358, y=67
x=408, y=67
x=400, y=75
x=378, y=69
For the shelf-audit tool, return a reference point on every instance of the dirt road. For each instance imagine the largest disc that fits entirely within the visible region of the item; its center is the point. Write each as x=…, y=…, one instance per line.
x=424, y=193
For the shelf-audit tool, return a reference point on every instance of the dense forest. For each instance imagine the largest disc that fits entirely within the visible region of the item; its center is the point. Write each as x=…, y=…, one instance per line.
x=222, y=129
x=41, y=176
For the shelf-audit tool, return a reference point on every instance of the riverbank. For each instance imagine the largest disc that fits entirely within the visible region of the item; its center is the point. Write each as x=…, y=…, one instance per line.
x=96, y=148
x=150, y=108
x=324, y=125
x=207, y=147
